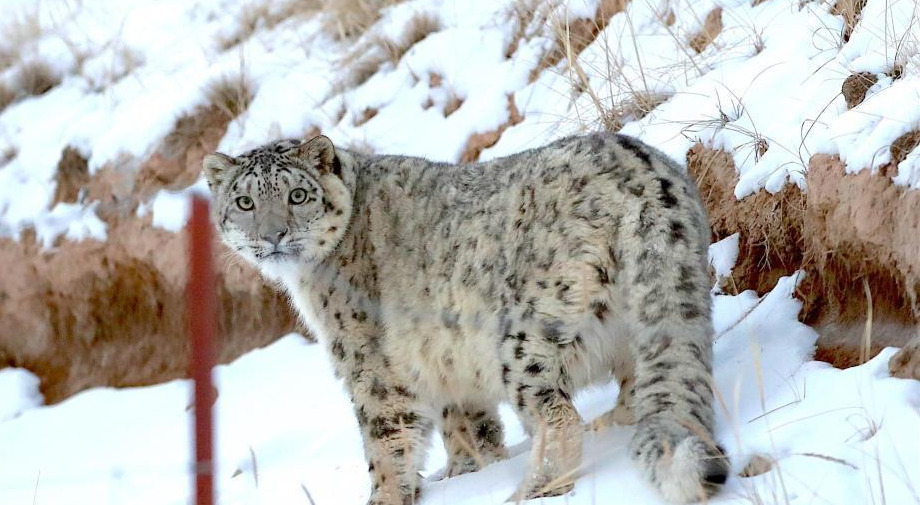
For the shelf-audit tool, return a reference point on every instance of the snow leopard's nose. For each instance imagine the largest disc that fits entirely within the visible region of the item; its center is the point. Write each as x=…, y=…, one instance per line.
x=274, y=237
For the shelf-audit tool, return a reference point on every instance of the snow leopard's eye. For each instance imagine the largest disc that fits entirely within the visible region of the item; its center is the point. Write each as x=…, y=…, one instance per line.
x=245, y=203
x=298, y=196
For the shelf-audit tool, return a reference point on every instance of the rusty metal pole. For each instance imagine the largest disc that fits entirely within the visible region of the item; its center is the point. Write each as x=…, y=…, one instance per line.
x=201, y=306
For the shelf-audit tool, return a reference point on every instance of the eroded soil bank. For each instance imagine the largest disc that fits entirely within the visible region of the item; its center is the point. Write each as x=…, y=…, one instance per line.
x=856, y=236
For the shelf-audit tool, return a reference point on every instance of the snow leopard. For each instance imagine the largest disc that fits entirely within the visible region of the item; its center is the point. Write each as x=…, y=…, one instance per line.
x=442, y=290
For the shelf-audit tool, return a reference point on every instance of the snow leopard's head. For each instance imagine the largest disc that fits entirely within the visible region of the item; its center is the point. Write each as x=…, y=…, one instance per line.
x=280, y=204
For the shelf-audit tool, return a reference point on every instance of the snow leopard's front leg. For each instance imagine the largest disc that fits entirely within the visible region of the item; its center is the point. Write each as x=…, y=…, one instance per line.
x=395, y=434
x=394, y=429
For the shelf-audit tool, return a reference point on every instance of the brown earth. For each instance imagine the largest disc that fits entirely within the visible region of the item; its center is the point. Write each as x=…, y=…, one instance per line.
x=111, y=313
x=712, y=27
x=72, y=175
x=855, y=86
x=856, y=236
x=571, y=38
x=92, y=313
x=480, y=141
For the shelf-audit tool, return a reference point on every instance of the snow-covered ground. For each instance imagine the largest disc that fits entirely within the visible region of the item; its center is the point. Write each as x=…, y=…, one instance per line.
x=767, y=89
x=285, y=428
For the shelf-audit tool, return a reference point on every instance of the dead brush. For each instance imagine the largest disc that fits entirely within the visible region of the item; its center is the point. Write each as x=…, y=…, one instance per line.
x=346, y=19
x=37, y=78
x=851, y=10
x=267, y=15
x=712, y=27
x=376, y=50
x=18, y=29
x=528, y=17
x=6, y=96
x=573, y=36
x=231, y=94
x=624, y=99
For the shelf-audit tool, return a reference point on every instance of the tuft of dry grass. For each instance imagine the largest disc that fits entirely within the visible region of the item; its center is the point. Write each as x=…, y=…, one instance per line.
x=177, y=162
x=625, y=99
x=573, y=36
x=420, y=26
x=851, y=10
x=712, y=26
x=481, y=141
x=267, y=15
x=231, y=94
x=71, y=177
x=18, y=29
x=366, y=115
x=903, y=145
x=33, y=78
x=855, y=86
x=6, y=96
x=37, y=78
x=636, y=106
x=346, y=19
x=373, y=52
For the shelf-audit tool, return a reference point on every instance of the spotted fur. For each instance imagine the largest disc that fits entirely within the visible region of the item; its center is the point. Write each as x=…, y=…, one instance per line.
x=441, y=290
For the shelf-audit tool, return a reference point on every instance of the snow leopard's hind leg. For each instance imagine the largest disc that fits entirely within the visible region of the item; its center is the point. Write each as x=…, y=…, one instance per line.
x=540, y=390
x=473, y=437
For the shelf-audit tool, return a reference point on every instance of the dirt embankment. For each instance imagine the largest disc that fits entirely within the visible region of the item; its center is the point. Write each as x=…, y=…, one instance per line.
x=90, y=313
x=856, y=236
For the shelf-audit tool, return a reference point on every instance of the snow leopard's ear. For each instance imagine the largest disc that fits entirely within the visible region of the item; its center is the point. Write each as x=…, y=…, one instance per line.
x=320, y=152
x=215, y=167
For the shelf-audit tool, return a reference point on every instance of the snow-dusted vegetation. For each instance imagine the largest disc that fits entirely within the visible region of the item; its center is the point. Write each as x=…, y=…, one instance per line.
x=799, y=119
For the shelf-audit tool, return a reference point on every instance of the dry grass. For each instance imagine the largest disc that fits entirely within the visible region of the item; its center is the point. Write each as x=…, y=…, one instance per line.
x=903, y=145
x=231, y=94
x=573, y=36
x=366, y=115
x=266, y=14
x=420, y=26
x=71, y=177
x=343, y=19
x=36, y=78
x=348, y=19
x=374, y=51
x=177, y=162
x=481, y=141
x=18, y=29
x=855, y=86
x=712, y=26
x=851, y=11
x=624, y=99
x=6, y=96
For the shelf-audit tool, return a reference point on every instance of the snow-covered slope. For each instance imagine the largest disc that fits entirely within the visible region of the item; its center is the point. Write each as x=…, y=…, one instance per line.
x=457, y=80
x=285, y=429
x=766, y=88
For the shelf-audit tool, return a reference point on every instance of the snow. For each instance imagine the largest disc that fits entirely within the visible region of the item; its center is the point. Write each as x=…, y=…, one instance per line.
x=767, y=90
x=723, y=255
x=18, y=391
x=285, y=424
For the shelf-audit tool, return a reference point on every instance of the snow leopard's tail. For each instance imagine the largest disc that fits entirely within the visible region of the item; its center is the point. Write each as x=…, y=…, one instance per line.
x=672, y=345
x=674, y=441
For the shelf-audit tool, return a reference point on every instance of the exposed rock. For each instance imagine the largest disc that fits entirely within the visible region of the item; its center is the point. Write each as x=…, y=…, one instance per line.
x=111, y=313
x=855, y=87
x=72, y=176
x=712, y=27
x=480, y=141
